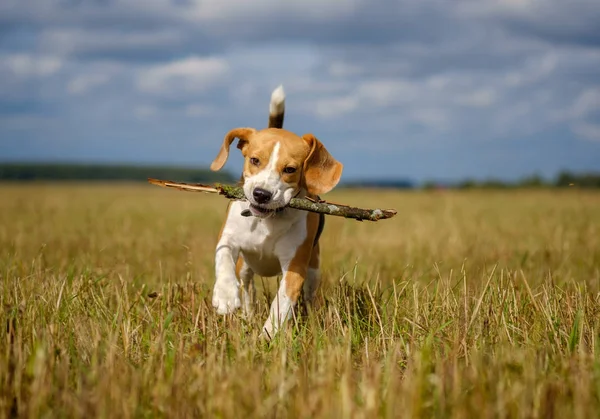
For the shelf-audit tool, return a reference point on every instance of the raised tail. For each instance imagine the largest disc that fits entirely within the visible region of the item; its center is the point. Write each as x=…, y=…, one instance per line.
x=277, y=108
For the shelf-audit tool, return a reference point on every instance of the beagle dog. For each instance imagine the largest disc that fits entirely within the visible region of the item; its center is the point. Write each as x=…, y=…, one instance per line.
x=263, y=236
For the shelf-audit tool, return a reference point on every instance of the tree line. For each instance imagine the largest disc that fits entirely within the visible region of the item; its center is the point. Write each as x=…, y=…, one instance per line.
x=100, y=172
x=123, y=172
x=563, y=179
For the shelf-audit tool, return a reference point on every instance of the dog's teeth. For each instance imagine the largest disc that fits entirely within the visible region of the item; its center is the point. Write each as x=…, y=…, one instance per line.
x=246, y=213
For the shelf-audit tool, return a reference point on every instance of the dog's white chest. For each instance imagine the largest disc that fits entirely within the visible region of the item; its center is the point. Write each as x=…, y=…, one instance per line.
x=265, y=243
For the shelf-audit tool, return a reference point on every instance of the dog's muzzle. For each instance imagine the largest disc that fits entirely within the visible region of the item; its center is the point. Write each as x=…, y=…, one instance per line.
x=261, y=196
x=258, y=211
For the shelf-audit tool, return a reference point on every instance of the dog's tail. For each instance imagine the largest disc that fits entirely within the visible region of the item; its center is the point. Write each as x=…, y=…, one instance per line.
x=277, y=108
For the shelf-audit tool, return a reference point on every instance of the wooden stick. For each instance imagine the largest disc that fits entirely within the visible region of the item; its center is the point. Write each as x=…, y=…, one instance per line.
x=305, y=204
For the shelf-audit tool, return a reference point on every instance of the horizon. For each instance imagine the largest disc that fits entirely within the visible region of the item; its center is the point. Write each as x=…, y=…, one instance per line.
x=353, y=181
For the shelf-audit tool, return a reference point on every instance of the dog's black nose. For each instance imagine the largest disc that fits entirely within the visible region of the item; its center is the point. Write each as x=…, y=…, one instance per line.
x=262, y=196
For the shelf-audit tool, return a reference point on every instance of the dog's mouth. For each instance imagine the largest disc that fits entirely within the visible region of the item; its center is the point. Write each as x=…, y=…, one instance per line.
x=259, y=211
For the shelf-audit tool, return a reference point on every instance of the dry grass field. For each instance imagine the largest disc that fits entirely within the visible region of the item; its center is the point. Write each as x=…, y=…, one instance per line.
x=474, y=304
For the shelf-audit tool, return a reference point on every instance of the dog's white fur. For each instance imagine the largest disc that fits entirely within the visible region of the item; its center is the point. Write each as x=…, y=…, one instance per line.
x=267, y=246
x=268, y=243
x=277, y=104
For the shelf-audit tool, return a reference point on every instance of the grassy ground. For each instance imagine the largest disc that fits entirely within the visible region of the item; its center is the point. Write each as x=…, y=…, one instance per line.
x=467, y=304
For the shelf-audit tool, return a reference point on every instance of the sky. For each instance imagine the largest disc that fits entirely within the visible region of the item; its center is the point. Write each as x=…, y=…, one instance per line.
x=417, y=89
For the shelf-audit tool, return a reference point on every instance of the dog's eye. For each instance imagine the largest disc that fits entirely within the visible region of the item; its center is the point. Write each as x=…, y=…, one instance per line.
x=254, y=161
x=289, y=169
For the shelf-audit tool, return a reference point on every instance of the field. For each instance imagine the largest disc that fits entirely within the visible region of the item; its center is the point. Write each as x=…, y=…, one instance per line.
x=467, y=304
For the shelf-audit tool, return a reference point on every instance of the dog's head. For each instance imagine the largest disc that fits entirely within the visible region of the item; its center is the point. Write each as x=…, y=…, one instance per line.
x=279, y=165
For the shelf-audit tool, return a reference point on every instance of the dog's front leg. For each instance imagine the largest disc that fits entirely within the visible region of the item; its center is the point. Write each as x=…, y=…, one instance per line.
x=285, y=300
x=226, y=295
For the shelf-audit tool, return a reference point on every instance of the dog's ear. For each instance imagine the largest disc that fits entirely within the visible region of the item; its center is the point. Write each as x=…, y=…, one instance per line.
x=243, y=134
x=321, y=171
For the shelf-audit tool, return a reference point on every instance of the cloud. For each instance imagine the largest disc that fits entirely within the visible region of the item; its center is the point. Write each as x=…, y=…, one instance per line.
x=535, y=69
x=212, y=11
x=84, y=83
x=556, y=21
x=587, y=102
x=191, y=74
x=107, y=43
x=335, y=106
x=30, y=65
x=478, y=99
x=587, y=130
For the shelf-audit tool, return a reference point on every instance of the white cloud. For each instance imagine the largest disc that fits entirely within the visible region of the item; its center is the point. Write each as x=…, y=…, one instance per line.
x=480, y=98
x=335, y=106
x=192, y=74
x=587, y=102
x=494, y=7
x=549, y=11
x=30, y=65
x=535, y=69
x=587, y=130
x=387, y=92
x=342, y=69
x=419, y=100
x=86, y=82
x=314, y=87
x=584, y=109
x=66, y=41
x=439, y=82
x=216, y=11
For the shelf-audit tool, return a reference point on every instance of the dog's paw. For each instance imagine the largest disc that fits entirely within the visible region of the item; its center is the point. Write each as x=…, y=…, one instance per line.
x=226, y=299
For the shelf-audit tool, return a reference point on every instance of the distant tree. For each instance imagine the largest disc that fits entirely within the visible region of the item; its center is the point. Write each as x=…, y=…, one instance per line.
x=430, y=185
x=533, y=181
x=467, y=184
x=63, y=172
x=494, y=184
x=563, y=179
x=582, y=180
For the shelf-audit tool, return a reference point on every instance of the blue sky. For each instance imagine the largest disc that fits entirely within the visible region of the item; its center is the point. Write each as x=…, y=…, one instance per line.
x=416, y=89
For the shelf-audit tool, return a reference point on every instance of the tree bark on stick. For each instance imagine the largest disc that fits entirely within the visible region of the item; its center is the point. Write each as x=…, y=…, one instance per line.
x=305, y=204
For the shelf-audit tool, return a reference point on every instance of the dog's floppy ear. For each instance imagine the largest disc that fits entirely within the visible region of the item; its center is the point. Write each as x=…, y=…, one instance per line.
x=243, y=134
x=321, y=171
